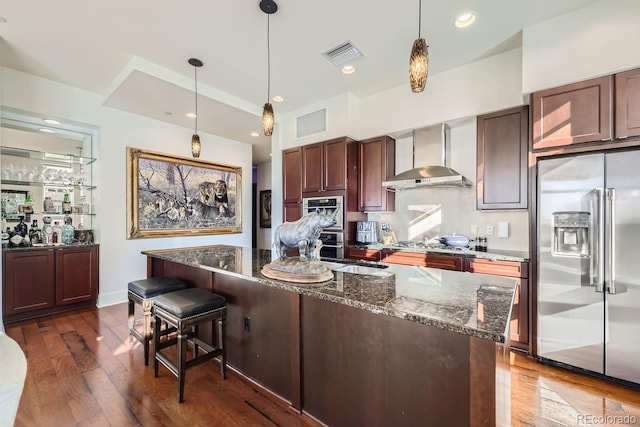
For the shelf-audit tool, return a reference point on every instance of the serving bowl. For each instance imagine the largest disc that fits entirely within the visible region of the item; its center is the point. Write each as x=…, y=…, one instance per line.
x=454, y=240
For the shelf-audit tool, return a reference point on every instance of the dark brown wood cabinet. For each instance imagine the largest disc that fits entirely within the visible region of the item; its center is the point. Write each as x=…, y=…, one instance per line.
x=37, y=282
x=377, y=159
x=519, y=326
x=444, y=262
x=76, y=275
x=364, y=254
x=292, y=175
x=28, y=281
x=627, y=102
x=573, y=114
x=325, y=165
x=502, y=147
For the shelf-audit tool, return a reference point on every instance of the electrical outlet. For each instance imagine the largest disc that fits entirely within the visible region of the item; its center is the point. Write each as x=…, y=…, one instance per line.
x=489, y=230
x=474, y=229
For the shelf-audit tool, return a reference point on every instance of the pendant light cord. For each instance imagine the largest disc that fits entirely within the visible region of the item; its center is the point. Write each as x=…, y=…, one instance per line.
x=419, y=18
x=195, y=74
x=268, y=61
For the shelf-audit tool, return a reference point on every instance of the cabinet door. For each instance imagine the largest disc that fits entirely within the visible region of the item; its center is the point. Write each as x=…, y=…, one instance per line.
x=502, y=159
x=572, y=114
x=377, y=164
x=444, y=262
x=365, y=254
x=335, y=164
x=292, y=175
x=28, y=281
x=627, y=123
x=312, y=168
x=76, y=274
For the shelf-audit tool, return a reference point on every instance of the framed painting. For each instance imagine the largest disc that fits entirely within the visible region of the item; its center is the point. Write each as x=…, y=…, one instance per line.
x=265, y=209
x=169, y=195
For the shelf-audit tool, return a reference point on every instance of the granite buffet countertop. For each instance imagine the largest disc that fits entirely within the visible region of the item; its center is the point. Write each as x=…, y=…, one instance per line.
x=473, y=304
x=492, y=254
x=39, y=247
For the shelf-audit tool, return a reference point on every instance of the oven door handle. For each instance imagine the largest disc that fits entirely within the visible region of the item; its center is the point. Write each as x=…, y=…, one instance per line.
x=332, y=246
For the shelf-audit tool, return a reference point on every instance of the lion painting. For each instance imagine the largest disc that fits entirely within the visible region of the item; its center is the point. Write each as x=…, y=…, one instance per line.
x=215, y=194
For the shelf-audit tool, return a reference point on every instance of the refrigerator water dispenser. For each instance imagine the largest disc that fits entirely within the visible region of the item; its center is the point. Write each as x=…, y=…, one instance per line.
x=571, y=234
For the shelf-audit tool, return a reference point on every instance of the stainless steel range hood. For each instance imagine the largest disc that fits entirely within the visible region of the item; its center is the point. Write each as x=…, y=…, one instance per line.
x=430, y=155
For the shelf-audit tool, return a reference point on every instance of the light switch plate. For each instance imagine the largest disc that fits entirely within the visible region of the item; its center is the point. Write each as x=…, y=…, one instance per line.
x=503, y=229
x=474, y=229
x=489, y=230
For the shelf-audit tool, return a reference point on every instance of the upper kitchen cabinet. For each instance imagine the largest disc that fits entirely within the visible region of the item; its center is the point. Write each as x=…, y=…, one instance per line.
x=326, y=165
x=377, y=159
x=502, y=159
x=627, y=101
x=572, y=114
x=292, y=175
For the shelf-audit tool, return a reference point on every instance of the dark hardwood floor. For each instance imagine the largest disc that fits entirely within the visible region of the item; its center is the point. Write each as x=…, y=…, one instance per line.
x=81, y=371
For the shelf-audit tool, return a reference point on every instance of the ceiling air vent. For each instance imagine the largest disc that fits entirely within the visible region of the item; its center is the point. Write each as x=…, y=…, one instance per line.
x=345, y=53
x=311, y=123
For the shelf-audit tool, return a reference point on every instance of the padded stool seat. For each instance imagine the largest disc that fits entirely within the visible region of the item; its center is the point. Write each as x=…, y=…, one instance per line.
x=143, y=292
x=185, y=310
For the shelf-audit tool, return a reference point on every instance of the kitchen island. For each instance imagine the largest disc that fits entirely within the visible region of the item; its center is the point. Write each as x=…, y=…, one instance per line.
x=374, y=346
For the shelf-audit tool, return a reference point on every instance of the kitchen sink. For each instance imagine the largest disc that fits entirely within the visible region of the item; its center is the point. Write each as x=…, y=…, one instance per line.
x=359, y=269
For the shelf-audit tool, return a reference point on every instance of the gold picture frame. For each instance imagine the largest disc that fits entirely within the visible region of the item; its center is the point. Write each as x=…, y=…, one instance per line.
x=169, y=195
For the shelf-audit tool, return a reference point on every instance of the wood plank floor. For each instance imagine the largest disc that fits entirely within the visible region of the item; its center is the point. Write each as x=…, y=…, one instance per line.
x=82, y=372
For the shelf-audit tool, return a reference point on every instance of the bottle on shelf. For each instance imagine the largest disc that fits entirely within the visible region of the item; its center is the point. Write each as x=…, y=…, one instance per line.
x=35, y=234
x=21, y=228
x=56, y=232
x=48, y=205
x=47, y=231
x=67, y=231
x=66, y=204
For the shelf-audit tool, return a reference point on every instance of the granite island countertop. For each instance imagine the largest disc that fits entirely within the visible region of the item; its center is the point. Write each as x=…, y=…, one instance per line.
x=492, y=254
x=469, y=303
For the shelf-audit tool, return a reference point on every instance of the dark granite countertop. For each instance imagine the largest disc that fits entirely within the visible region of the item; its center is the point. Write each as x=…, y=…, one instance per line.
x=40, y=247
x=492, y=254
x=473, y=304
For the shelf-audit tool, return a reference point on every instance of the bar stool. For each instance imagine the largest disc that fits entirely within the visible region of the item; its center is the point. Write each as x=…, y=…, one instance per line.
x=185, y=310
x=143, y=292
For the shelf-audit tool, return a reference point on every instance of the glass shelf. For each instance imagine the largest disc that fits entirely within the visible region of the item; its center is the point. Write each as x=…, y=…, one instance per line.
x=40, y=155
x=46, y=184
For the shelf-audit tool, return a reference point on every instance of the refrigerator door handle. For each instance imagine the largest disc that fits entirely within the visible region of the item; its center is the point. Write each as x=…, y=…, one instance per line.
x=611, y=241
x=597, y=258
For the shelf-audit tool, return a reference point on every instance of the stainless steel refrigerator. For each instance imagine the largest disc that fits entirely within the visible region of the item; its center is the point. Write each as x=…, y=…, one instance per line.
x=589, y=262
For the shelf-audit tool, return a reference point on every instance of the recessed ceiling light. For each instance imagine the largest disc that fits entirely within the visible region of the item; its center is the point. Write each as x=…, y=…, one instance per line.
x=51, y=121
x=191, y=115
x=255, y=134
x=168, y=113
x=464, y=20
x=348, y=69
x=45, y=130
x=278, y=98
x=270, y=154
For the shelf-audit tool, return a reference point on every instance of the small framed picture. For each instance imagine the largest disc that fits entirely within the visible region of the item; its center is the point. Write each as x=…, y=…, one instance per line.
x=265, y=209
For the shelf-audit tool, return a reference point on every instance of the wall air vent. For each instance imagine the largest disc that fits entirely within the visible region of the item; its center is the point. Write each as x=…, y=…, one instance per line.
x=344, y=53
x=311, y=123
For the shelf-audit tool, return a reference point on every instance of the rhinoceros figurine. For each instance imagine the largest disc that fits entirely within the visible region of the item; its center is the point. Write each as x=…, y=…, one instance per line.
x=303, y=233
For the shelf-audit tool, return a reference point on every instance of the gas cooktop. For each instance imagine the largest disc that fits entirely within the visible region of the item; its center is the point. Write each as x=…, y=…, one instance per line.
x=427, y=245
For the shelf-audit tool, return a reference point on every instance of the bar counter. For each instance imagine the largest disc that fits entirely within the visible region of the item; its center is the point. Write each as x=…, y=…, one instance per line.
x=397, y=346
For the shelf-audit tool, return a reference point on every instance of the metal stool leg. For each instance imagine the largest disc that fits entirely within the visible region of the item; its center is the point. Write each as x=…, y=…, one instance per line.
x=182, y=360
x=222, y=339
x=156, y=345
x=131, y=321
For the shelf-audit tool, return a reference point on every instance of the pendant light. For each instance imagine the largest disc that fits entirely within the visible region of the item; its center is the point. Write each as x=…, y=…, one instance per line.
x=419, y=60
x=269, y=7
x=195, y=139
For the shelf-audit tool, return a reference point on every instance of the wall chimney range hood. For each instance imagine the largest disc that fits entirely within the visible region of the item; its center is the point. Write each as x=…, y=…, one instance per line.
x=431, y=151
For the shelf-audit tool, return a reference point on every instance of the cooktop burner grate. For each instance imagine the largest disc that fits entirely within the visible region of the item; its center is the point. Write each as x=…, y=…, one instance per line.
x=427, y=245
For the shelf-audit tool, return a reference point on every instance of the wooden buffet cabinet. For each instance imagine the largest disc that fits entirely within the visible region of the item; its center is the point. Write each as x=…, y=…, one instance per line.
x=38, y=282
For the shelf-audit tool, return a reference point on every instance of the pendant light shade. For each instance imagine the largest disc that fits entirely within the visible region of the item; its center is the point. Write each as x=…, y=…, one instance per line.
x=418, y=65
x=419, y=60
x=269, y=7
x=195, y=139
x=267, y=119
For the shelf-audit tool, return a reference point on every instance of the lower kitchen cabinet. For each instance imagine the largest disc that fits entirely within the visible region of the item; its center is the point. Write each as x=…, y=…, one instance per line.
x=364, y=254
x=444, y=262
x=37, y=282
x=519, y=326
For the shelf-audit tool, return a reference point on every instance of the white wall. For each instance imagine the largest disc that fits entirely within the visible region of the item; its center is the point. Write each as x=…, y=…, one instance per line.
x=120, y=259
x=596, y=40
x=263, y=235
